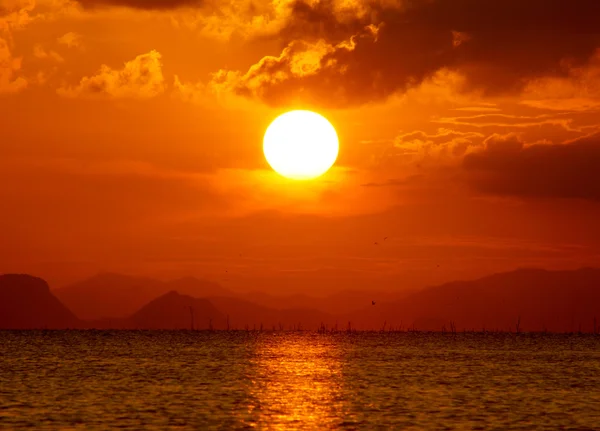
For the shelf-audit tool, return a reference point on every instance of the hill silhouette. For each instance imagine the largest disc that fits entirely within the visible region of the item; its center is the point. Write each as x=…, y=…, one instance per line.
x=27, y=303
x=558, y=301
x=175, y=311
x=561, y=301
x=115, y=296
x=172, y=311
x=110, y=295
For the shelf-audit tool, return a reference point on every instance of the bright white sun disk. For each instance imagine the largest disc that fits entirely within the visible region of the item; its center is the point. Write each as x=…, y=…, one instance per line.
x=301, y=145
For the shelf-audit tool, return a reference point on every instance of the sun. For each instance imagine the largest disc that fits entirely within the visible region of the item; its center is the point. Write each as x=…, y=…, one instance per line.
x=301, y=145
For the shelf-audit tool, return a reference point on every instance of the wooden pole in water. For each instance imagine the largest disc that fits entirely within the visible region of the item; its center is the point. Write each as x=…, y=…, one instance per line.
x=191, y=318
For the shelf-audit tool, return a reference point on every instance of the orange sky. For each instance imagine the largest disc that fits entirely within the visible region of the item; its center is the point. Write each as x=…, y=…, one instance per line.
x=131, y=139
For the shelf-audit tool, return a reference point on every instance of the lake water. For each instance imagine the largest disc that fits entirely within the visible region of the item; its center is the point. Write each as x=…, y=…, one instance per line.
x=290, y=380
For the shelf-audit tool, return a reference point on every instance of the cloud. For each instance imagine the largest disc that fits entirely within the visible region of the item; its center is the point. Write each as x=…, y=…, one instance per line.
x=301, y=66
x=247, y=19
x=71, y=40
x=448, y=144
x=411, y=154
x=15, y=14
x=508, y=121
x=218, y=19
x=478, y=109
x=442, y=136
x=10, y=82
x=507, y=166
x=578, y=91
x=141, y=77
x=498, y=46
x=142, y=4
x=41, y=53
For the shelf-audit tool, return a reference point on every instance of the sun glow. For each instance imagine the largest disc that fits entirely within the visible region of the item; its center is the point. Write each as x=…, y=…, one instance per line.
x=301, y=145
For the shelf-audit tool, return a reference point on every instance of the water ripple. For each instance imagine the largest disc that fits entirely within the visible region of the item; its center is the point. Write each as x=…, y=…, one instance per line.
x=53, y=380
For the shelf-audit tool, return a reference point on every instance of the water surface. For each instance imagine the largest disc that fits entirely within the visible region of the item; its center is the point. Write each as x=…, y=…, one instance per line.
x=293, y=380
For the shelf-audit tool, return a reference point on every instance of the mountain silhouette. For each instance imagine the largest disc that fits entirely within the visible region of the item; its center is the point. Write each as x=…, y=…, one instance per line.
x=27, y=303
x=561, y=301
x=531, y=299
x=175, y=311
x=110, y=295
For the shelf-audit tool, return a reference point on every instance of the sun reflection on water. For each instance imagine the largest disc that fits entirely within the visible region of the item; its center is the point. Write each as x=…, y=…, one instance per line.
x=298, y=384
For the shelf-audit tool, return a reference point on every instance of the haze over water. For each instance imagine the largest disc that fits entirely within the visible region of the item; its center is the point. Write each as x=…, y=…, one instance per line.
x=292, y=380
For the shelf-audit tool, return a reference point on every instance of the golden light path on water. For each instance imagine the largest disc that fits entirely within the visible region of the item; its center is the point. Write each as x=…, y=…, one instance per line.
x=298, y=385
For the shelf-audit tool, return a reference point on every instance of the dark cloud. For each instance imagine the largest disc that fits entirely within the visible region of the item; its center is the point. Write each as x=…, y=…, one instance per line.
x=498, y=45
x=506, y=166
x=141, y=4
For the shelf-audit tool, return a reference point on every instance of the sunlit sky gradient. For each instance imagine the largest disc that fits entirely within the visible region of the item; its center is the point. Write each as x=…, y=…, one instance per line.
x=131, y=139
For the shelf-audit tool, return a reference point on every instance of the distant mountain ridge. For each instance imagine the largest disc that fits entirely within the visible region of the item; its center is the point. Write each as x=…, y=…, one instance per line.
x=110, y=295
x=116, y=296
x=528, y=299
x=27, y=303
x=536, y=299
x=175, y=311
